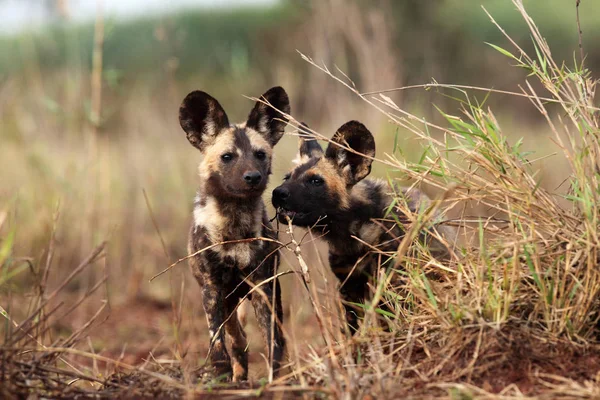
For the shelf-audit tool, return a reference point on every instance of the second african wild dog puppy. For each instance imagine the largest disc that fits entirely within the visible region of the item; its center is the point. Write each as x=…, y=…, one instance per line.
x=327, y=189
x=233, y=175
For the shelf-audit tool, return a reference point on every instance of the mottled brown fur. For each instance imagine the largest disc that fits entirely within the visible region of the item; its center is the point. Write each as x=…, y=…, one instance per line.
x=328, y=188
x=233, y=175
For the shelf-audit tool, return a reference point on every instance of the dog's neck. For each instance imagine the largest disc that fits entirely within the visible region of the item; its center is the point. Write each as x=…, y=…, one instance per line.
x=367, y=203
x=228, y=218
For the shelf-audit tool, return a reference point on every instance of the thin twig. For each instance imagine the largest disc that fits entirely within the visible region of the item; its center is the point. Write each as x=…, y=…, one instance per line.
x=579, y=32
x=156, y=228
x=91, y=258
x=483, y=89
x=212, y=246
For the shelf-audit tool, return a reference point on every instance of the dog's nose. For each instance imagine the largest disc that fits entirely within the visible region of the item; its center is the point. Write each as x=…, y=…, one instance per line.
x=252, y=178
x=280, y=195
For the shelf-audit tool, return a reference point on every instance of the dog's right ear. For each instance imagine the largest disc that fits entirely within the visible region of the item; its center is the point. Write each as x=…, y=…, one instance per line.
x=352, y=164
x=267, y=120
x=308, y=146
x=202, y=118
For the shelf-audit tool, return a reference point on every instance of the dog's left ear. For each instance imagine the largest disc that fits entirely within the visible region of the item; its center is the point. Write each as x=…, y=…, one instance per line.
x=308, y=147
x=354, y=167
x=265, y=119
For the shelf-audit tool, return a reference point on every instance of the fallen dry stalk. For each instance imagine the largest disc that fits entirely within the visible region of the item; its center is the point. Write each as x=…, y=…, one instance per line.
x=212, y=246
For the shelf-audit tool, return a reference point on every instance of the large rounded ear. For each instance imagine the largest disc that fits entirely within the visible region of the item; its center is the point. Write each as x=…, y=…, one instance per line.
x=202, y=118
x=265, y=119
x=354, y=167
x=308, y=147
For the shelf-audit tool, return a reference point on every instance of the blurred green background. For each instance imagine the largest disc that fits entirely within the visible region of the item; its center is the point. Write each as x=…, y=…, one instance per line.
x=55, y=152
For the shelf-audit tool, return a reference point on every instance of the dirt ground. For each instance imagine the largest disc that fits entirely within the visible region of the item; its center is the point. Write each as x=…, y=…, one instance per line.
x=134, y=338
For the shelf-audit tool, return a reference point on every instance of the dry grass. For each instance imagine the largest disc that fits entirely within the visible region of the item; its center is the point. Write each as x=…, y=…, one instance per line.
x=513, y=314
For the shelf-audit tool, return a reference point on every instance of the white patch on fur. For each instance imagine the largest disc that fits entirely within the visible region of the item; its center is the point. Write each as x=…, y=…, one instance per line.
x=210, y=218
x=203, y=173
x=211, y=333
x=341, y=157
x=240, y=252
x=262, y=122
x=370, y=233
x=347, y=173
x=300, y=159
x=209, y=131
x=258, y=141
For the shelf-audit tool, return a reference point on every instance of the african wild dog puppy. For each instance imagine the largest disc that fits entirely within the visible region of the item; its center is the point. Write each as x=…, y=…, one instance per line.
x=228, y=207
x=327, y=190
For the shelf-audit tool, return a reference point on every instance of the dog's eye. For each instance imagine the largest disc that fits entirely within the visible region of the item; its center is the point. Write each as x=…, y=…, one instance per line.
x=316, y=181
x=260, y=154
x=287, y=176
x=227, y=157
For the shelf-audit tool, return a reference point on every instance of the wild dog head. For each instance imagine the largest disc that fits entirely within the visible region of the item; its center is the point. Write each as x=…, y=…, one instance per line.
x=319, y=187
x=237, y=158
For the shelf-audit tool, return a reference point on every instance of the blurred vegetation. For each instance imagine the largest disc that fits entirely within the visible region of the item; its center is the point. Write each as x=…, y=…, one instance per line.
x=444, y=39
x=202, y=41
x=233, y=52
x=150, y=63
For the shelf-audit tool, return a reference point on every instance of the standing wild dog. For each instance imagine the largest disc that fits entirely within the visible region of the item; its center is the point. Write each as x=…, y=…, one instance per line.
x=233, y=175
x=327, y=189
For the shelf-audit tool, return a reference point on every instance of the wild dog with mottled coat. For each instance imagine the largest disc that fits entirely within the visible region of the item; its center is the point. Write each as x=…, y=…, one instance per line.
x=328, y=190
x=228, y=208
